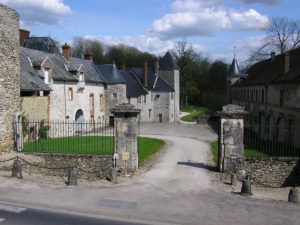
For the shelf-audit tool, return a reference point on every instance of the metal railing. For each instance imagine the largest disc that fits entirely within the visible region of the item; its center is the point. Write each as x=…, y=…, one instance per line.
x=66, y=137
x=275, y=141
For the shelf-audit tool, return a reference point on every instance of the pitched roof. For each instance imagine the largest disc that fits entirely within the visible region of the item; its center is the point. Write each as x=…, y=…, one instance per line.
x=60, y=70
x=134, y=87
x=272, y=71
x=41, y=44
x=234, y=69
x=155, y=83
x=167, y=62
x=111, y=74
x=30, y=78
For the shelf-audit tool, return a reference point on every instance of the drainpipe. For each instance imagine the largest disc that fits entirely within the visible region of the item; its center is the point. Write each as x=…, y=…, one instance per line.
x=65, y=100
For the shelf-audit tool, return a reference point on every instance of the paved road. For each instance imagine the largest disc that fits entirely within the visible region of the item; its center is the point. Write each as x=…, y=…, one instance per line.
x=176, y=190
x=13, y=215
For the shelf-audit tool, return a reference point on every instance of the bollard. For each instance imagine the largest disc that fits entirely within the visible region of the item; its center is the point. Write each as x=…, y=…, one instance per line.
x=114, y=175
x=246, y=186
x=294, y=195
x=17, y=169
x=72, y=176
x=234, y=179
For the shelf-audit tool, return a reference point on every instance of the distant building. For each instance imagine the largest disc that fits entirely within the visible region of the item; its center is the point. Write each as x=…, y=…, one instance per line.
x=271, y=95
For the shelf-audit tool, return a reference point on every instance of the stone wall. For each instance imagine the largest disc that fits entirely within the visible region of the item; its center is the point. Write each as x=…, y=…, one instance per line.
x=9, y=75
x=90, y=167
x=35, y=107
x=110, y=102
x=274, y=172
x=161, y=106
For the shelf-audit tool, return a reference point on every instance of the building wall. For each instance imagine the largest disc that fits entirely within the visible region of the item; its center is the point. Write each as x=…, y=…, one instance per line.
x=9, y=75
x=272, y=108
x=161, y=101
x=173, y=79
x=110, y=102
x=144, y=105
x=62, y=106
x=35, y=107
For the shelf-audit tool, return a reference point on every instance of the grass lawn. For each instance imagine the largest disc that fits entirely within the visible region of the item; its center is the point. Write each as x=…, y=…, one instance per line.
x=194, y=111
x=90, y=145
x=251, y=153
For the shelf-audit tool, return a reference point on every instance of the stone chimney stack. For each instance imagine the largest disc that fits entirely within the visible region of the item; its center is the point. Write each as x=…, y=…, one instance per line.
x=286, y=62
x=52, y=49
x=146, y=74
x=24, y=34
x=156, y=67
x=88, y=56
x=66, y=50
x=273, y=54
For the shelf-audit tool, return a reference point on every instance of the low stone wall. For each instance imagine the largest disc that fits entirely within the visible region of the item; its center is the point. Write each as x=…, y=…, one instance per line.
x=90, y=167
x=274, y=172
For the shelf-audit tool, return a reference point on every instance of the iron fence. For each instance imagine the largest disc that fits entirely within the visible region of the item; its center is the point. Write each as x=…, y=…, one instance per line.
x=275, y=141
x=68, y=137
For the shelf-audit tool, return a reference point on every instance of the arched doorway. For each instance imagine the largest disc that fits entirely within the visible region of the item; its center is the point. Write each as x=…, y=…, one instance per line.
x=281, y=129
x=79, y=121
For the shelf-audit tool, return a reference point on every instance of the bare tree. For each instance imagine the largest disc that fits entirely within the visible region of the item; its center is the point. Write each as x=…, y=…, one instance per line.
x=282, y=35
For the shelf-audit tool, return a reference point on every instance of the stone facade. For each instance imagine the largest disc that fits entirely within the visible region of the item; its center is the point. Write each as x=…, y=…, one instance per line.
x=115, y=94
x=163, y=111
x=35, y=108
x=274, y=172
x=9, y=75
x=173, y=78
x=145, y=104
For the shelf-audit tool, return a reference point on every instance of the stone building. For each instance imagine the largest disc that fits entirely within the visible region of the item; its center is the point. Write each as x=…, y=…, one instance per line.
x=9, y=75
x=271, y=95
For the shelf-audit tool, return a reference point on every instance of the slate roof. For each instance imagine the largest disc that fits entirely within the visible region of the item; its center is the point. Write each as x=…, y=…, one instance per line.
x=167, y=62
x=40, y=43
x=134, y=87
x=155, y=83
x=30, y=78
x=234, y=69
x=61, y=66
x=272, y=71
x=111, y=74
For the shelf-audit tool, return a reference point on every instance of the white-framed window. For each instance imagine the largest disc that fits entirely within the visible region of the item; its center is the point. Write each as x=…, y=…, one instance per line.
x=81, y=76
x=70, y=93
x=46, y=73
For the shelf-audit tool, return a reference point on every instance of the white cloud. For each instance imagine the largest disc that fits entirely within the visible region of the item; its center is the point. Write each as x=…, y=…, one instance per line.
x=39, y=12
x=142, y=42
x=200, y=18
x=263, y=2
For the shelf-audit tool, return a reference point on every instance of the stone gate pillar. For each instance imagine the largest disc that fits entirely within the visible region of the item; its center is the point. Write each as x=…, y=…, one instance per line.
x=126, y=135
x=231, y=139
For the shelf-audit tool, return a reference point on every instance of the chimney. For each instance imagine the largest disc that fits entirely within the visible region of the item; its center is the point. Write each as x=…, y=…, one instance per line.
x=88, y=56
x=273, y=54
x=124, y=66
x=156, y=67
x=52, y=49
x=146, y=74
x=24, y=34
x=286, y=62
x=66, y=50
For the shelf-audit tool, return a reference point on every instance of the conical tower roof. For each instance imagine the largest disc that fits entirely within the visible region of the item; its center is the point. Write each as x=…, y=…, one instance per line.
x=234, y=69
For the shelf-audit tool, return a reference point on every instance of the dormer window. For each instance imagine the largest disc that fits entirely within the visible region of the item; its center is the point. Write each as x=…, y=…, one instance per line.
x=46, y=74
x=81, y=76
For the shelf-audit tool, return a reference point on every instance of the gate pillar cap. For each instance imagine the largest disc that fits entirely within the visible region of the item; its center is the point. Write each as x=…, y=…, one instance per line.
x=125, y=109
x=232, y=111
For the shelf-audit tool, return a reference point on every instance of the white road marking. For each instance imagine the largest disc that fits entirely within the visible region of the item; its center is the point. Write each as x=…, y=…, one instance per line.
x=12, y=209
x=1, y=220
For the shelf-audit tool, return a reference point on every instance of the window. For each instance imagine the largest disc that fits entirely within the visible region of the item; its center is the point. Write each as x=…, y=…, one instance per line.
x=92, y=103
x=46, y=73
x=256, y=95
x=115, y=95
x=172, y=95
x=262, y=95
x=281, y=98
x=145, y=98
x=81, y=75
x=101, y=102
x=139, y=99
x=150, y=113
x=70, y=94
x=128, y=100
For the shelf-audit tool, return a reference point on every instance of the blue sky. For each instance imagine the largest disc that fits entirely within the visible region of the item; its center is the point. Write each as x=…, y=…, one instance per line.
x=212, y=26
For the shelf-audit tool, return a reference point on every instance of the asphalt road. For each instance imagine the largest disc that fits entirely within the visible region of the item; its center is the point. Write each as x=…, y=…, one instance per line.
x=12, y=215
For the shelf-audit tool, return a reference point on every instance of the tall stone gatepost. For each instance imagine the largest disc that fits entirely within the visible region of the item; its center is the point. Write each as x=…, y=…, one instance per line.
x=126, y=136
x=231, y=139
x=9, y=75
